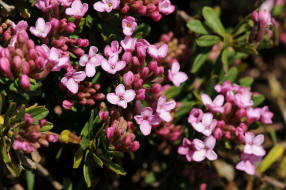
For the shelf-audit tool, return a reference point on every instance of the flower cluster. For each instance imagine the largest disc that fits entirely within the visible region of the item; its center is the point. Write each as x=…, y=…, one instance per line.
x=229, y=116
x=30, y=137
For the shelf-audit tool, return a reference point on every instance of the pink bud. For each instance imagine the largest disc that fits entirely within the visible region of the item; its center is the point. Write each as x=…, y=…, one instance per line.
x=42, y=122
x=156, y=88
x=52, y=138
x=156, y=16
x=141, y=51
x=142, y=10
x=5, y=67
x=240, y=113
x=70, y=27
x=82, y=42
x=55, y=23
x=140, y=94
x=136, y=61
x=227, y=108
x=28, y=119
x=125, y=9
x=135, y=146
x=67, y=105
x=127, y=56
x=25, y=82
x=128, y=78
x=254, y=16
x=109, y=132
x=153, y=65
x=145, y=72
x=103, y=115
x=218, y=133
x=25, y=68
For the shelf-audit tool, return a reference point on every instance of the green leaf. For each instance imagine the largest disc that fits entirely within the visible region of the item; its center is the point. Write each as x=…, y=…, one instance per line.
x=11, y=109
x=115, y=167
x=150, y=178
x=197, y=26
x=246, y=81
x=88, y=21
x=246, y=49
x=232, y=75
x=47, y=127
x=97, y=160
x=77, y=157
x=173, y=91
x=142, y=30
x=207, y=40
x=30, y=179
x=87, y=167
x=14, y=169
x=275, y=153
x=282, y=168
x=184, y=109
x=199, y=61
x=257, y=99
x=213, y=21
x=37, y=112
x=67, y=184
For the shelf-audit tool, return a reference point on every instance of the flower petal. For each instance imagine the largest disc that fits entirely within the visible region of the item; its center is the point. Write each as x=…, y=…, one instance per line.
x=112, y=98
x=145, y=128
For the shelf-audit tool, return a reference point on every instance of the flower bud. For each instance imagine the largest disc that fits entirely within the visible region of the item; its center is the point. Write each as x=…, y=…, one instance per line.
x=127, y=57
x=109, y=132
x=25, y=82
x=128, y=78
x=28, y=119
x=67, y=105
x=140, y=94
x=135, y=146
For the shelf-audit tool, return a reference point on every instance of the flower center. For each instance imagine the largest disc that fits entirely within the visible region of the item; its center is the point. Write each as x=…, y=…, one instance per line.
x=121, y=98
x=128, y=25
x=112, y=67
x=110, y=4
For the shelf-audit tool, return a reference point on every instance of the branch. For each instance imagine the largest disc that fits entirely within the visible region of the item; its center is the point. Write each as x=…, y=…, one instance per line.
x=7, y=7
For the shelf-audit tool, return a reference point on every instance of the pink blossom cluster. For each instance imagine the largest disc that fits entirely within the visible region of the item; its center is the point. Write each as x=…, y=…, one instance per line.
x=30, y=138
x=228, y=117
x=149, y=8
x=22, y=58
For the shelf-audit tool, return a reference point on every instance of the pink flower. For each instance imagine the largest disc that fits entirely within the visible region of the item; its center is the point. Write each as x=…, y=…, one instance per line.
x=91, y=61
x=128, y=44
x=129, y=25
x=77, y=9
x=42, y=28
x=45, y=5
x=57, y=58
x=163, y=108
x=247, y=163
x=146, y=120
x=112, y=65
x=214, y=106
x=207, y=125
x=243, y=100
x=66, y=3
x=253, y=144
x=113, y=50
x=166, y=7
x=204, y=149
x=266, y=115
x=71, y=80
x=106, y=5
x=20, y=26
x=121, y=96
x=253, y=114
x=175, y=75
x=195, y=116
x=187, y=148
x=158, y=53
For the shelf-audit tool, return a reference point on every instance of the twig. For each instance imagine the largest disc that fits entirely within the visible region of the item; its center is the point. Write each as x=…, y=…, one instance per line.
x=184, y=16
x=271, y=181
x=7, y=7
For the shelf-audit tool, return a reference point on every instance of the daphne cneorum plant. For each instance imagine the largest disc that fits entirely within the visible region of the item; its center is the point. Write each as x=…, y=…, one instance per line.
x=112, y=92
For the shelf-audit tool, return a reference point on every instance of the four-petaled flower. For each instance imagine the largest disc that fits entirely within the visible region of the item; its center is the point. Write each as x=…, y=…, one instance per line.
x=121, y=96
x=112, y=65
x=71, y=80
x=207, y=125
x=163, y=108
x=77, y=9
x=214, y=106
x=106, y=5
x=253, y=144
x=129, y=25
x=158, y=53
x=91, y=61
x=175, y=75
x=42, y=28
x=247, y=163
x=146, y=120
x=204, y=149
x=166, y=7
x=187, y=148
